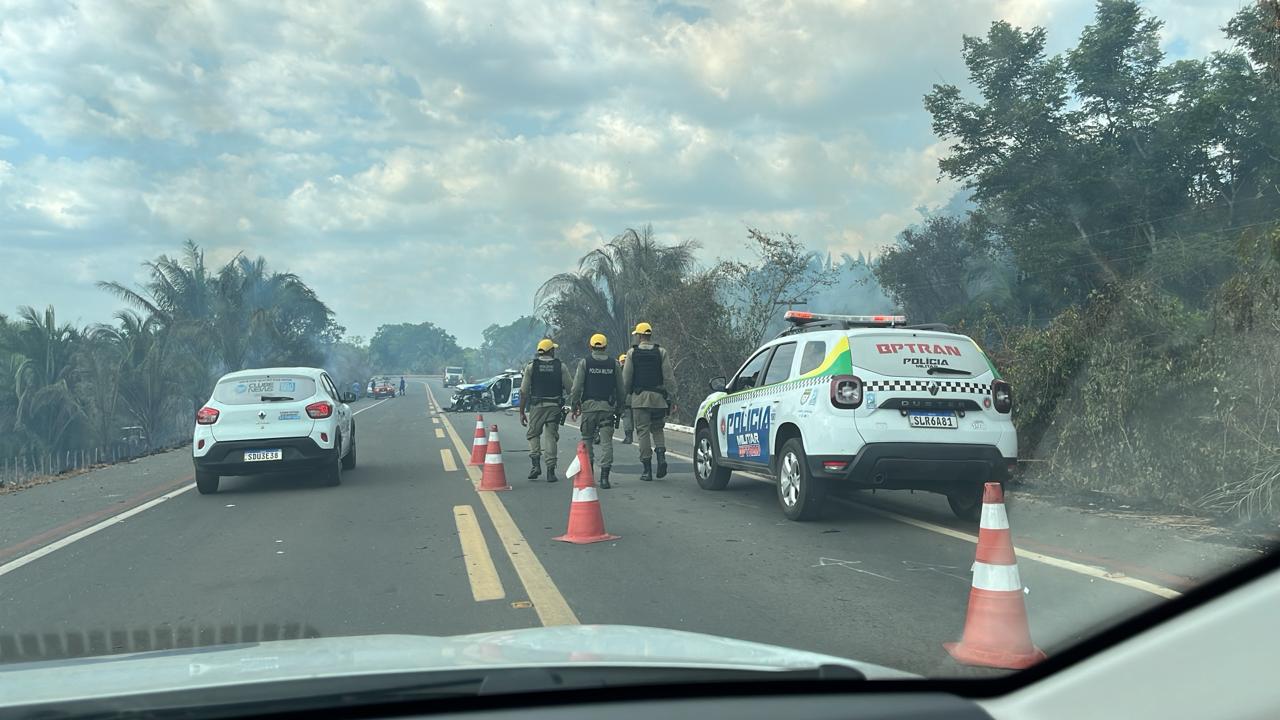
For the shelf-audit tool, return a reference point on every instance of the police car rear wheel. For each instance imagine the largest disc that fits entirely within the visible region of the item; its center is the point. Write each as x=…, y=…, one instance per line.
x=966, y=503
x=709, y=476
x=800, y=494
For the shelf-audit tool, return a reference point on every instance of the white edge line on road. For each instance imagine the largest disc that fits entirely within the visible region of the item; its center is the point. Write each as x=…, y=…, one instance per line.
x=1092, y=571
x=1069, y=565
x=58, y=545
x=357, y=412
x=548, y=602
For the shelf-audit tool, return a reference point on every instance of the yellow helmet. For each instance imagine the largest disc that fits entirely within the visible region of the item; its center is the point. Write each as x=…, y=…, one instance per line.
x=545, y=345
x=599, y=341
x=643, y=328
x=622, y=358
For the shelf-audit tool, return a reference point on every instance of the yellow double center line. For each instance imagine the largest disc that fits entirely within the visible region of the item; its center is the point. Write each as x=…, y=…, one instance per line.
x=547, y=601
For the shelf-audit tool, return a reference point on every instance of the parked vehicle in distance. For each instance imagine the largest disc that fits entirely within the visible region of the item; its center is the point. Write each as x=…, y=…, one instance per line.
x=452, y=376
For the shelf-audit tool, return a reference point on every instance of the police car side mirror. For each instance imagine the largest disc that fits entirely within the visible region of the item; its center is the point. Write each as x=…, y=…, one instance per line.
x=718, y=384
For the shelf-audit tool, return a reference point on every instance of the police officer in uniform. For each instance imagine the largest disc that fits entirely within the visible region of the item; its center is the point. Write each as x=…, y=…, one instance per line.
x=647, y=378
x=597, y=396
x=542, y=393
x=624, y=414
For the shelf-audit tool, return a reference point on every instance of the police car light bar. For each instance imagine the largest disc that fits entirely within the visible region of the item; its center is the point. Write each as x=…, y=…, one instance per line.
x=800, y=317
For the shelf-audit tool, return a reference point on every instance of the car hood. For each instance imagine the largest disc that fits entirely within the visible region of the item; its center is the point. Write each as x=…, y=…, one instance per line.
x=282, y=660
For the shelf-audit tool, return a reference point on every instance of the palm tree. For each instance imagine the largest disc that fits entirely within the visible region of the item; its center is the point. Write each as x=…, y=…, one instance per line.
x=149, y=371
x=181, y=290
x=47, y=407
x=614, y=286
x=182, y=297
x=267, y=318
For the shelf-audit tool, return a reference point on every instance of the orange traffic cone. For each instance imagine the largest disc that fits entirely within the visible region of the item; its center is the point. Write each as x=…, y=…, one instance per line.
x=996, y=632
x=494, y=476
x=479, y=445
x=586, y=522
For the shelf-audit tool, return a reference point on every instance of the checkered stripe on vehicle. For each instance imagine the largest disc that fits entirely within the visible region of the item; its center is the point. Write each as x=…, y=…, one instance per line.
x=947, y=386
x=777, y=389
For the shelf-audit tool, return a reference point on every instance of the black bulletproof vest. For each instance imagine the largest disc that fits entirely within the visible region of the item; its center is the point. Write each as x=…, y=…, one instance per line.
x=600, y=382
x=646, y=372
x=547, y=381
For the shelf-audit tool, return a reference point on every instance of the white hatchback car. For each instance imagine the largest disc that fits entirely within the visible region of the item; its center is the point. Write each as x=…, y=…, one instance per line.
x=864, y=401
x=274, y=420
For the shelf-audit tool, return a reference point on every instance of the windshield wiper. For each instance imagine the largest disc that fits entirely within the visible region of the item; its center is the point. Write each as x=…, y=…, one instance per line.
x=274, y=398
x=935, y=369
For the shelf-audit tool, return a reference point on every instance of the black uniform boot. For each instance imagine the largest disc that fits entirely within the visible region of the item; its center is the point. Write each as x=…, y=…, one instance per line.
x=604, y=478
x=662, y=461
x=551, y=473
x=537, y=469
x=646, y=474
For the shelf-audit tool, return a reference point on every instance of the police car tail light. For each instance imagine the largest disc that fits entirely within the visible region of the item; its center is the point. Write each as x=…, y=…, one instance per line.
x=1002, y=396
x=846, y=391
x=207, y=416
x=319, y=410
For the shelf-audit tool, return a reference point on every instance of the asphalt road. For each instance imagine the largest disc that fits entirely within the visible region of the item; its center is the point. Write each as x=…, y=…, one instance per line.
x=406, y=545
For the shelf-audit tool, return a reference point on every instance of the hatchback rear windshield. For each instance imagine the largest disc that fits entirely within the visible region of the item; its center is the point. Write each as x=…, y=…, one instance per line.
x=265, y=388
x=908, y=354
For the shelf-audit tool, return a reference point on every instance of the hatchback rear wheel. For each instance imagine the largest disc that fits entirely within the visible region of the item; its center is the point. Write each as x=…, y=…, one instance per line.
x=331, y=475
x=206, y=482
x=349, y=462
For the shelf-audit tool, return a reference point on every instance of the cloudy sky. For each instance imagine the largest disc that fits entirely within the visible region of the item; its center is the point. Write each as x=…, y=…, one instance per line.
x=431, y=160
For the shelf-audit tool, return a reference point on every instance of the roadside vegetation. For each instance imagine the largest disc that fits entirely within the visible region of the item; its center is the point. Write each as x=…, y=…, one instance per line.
x=1118, y=254
x=74, y=396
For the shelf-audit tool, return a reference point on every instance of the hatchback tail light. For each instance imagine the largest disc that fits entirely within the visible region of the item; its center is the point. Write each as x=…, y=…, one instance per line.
x=846, y=392
x=1002, y=396
x=207, y=416
x=319, y=410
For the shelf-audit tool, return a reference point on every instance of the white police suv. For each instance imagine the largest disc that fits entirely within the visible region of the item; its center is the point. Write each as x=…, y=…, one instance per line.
x=863, y=400
x=274, y=420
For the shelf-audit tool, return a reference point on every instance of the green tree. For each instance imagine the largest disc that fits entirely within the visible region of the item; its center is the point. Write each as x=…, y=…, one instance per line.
x=756, y=292
x=48, y=410
x=241, y=315
x=510, y=345
x=405, y=347
x=613, y=288
x=148, y=374
x=944, y=269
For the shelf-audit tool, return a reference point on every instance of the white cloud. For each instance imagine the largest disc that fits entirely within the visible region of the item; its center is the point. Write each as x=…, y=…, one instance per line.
x=406, y=155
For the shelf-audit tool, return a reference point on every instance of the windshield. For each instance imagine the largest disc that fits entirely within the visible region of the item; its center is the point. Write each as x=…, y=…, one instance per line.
x=945, y=264
x=247, y=390
x=903, y=353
